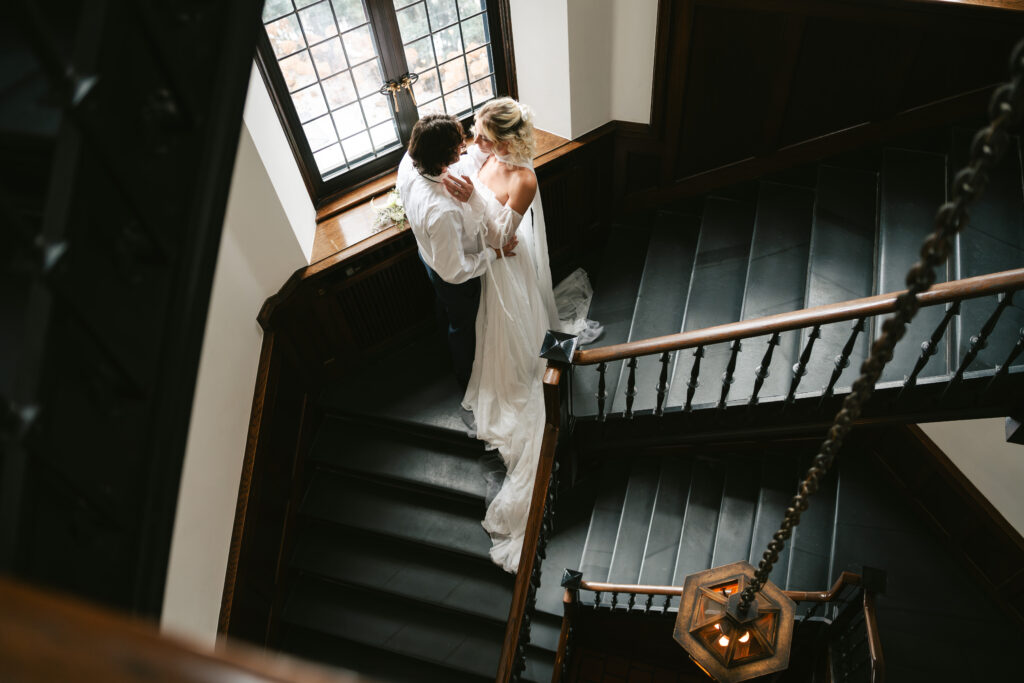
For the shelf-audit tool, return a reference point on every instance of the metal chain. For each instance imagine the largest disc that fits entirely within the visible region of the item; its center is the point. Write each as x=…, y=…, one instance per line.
x=1005, y=111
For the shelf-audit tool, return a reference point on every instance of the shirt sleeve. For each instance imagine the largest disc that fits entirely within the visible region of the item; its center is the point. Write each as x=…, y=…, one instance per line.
x=450, y=259
x=500, y=221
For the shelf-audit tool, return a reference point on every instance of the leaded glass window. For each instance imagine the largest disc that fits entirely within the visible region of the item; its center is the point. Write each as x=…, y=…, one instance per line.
x=330, y=59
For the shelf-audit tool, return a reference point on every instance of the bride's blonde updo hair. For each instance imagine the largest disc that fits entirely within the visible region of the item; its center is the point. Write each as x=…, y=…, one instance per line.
x=506, y=121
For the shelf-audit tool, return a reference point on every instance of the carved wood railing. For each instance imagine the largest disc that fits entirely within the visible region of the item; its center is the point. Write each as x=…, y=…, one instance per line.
x=538, y=529
x=517, y=631
x=851, y=588
x=44, y=637
x=811, y=319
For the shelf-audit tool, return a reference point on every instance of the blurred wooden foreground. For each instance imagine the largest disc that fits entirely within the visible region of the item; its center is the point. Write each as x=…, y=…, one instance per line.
x=44, y=637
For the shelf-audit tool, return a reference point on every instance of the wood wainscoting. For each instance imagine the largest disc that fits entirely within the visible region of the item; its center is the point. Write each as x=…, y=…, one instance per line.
x=746, y=87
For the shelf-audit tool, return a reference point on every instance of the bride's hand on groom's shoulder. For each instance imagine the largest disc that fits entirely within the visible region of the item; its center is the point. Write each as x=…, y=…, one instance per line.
x=459, y=188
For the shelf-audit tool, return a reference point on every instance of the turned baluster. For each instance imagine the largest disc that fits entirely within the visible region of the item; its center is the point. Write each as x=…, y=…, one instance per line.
x=662, y=385
x=597, y=599
x=1004, y=369
x=980, y=340
x=929, y=348
x=602, y=393
x=762, y=372
x=632, y=601
x=800, y=368
x=727, y=376
x=691, y=386
x=630, y=387
x=649, y=603
x=842, y=361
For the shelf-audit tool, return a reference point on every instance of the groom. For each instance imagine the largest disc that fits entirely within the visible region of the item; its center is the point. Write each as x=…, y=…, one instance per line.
x=450, y=250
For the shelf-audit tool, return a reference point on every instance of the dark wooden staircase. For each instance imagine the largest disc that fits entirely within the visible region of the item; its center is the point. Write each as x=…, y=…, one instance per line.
x=385, y=566
x=847, y=228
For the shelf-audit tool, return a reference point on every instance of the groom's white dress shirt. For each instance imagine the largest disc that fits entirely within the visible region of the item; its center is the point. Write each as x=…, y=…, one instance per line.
x=454, y=250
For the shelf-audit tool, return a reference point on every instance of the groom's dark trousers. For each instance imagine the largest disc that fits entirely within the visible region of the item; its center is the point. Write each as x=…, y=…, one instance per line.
x=457, y=307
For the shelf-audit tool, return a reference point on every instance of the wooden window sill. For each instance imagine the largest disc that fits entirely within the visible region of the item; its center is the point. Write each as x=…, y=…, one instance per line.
x=345, y=226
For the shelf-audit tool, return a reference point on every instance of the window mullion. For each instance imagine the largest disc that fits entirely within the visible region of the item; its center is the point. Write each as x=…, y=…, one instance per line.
x=389, y=40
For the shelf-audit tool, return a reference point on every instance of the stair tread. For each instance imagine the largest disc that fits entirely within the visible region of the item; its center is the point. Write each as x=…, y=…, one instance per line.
x=604, y=522
x=564, y=551
x=634, y=521
x=735, y=528
x=716, y=291
x=812, y=545
x=396, y=512
x=703, y=502
x=377, y=664
x=912, y=186
x=395, y=624
x=405, y=570
x=775, y=283
x=612, y=305
x=662, y=539
x=660, y=301
x=992, y=242
x=413, y=457
x=414, y=386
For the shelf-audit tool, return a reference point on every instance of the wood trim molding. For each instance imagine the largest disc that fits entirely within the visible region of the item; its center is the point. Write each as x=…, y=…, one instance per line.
x=245, y=482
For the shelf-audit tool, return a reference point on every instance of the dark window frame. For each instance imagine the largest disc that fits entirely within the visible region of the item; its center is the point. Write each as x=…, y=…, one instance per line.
x=384, y=26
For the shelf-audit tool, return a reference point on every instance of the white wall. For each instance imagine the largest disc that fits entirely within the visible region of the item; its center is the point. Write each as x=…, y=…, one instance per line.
x=635, y=25
x=268, y=135
x=257, y=254
x=539, y=34
x=591, y=45
x=979, y=449
x=583, y=63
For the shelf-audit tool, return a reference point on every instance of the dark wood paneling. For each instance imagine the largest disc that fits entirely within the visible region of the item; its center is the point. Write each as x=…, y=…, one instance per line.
x=742, y=88
x=976, y=533
x=733, y=56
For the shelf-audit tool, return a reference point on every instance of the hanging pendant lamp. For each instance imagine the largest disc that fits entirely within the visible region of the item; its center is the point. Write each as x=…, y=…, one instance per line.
x=728, y=644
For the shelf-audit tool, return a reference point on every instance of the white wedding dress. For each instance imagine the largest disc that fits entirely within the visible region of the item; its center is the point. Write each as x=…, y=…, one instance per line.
x=505, y=393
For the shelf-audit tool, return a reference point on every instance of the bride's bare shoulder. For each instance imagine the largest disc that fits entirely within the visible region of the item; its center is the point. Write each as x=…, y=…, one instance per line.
x=522, y=189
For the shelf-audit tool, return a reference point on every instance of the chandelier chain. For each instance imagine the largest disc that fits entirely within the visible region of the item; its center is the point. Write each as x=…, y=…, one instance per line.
x=1005, y=112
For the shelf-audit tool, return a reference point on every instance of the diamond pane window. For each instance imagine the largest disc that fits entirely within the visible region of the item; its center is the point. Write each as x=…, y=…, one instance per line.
x=329, y=61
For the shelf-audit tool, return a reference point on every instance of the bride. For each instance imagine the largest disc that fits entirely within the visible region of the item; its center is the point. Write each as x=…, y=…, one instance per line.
x=517, y=306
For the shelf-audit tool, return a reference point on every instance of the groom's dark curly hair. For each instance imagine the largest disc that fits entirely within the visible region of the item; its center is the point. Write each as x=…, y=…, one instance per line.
x=435, y=142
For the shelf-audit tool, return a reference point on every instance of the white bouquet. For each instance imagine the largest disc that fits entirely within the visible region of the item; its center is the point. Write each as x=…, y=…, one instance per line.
x=391, y=212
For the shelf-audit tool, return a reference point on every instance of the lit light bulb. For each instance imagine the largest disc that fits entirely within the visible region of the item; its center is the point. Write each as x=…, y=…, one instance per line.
x=745, y=637
x=718, y=627
x=724, y=641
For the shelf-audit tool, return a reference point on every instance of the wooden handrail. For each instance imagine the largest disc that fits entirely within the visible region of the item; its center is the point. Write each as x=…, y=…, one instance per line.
x=520, y=594
x=845, y=579
x=45, y=637
x=968, y=288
